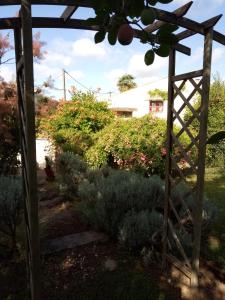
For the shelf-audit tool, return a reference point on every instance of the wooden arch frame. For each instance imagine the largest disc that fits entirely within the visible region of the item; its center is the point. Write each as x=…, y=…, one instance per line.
x=23, y=26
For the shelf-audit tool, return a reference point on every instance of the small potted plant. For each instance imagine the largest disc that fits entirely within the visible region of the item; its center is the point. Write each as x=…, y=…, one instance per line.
x=50, y=175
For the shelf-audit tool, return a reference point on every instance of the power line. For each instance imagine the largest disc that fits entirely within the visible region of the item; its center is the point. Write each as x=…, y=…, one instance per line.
x=78, y=82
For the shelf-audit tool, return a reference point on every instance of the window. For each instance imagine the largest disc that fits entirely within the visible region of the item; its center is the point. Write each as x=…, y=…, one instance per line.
x=124, y=114
x=155, y=106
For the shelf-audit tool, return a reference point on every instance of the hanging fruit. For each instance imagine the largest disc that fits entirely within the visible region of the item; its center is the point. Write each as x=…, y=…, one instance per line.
x=125, y=34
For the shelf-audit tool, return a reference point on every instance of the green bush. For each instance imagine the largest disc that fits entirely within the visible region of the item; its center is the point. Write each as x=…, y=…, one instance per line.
x=10, y=207
x=137, y=144
x=137, y=229
x=70, y=168
x=108, y=198
x=74, y=122
x=130, y=207
x=133, y=144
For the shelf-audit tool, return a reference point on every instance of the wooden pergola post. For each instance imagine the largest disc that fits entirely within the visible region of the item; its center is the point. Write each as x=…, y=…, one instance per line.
x=207, y=59
x=171, y=73
x=25, y=86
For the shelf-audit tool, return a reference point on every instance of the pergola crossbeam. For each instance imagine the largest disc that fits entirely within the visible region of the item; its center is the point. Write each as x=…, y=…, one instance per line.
x=168, y=17
x=68, y=12
x=81, y=3
x=38, y=22
x=180, y=12
x=217, y=36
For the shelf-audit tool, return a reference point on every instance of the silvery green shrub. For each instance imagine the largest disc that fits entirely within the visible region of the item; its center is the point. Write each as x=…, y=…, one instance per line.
x=110, y=197
x=11, y=203
x=138, y=228
x=70, y=168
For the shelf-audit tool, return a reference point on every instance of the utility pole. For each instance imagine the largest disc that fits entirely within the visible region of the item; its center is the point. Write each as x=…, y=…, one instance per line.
x=64, y=84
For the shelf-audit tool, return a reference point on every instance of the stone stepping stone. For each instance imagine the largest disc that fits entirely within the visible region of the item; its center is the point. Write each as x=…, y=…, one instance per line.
x=51, y=203
x=72, y=241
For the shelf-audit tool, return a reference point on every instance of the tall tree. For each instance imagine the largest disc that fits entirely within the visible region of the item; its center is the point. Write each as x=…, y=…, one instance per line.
x=126, y=82
x=6, y=46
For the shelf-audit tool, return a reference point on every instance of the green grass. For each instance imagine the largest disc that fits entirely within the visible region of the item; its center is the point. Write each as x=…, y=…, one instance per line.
x=215, y=192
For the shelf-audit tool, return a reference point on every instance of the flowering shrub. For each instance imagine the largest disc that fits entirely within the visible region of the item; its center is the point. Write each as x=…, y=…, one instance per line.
x=136, y=144
x=74, y=122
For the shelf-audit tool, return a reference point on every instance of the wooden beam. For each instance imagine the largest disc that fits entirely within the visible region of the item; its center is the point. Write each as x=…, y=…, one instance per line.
x=167, y=208
x=189, y=75
x=180, y=12
x=199, y=199
x=68, y=12
x=32, y=197
x=189, y=24
x=218, y=37
x=82, y=3
x=11, y=23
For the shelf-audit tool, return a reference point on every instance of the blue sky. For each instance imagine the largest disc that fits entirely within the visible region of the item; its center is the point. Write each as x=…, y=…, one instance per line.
x=99, y=66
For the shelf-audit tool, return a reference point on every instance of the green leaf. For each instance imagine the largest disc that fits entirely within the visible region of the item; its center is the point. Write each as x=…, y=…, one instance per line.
x=100, y=36
x=148, y=16
x=167, y=38
x=149, y=57
x=152, y=2
x=165, y=1
x=144, y=37
x=137, y=7
x=92, y=21
x=112, y=36
x=163, y=50
x=216, y=138
x=167, y=28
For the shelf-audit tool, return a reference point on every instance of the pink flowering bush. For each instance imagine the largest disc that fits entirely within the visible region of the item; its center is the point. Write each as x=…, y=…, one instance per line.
x=136, y=144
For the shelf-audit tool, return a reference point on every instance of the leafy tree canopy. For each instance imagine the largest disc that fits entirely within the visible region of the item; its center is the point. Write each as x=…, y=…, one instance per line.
x=118, y=19
x=158, y=93
x=126, y=82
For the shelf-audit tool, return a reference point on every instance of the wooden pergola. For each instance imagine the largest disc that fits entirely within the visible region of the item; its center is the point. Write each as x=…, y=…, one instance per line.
x=23, y=26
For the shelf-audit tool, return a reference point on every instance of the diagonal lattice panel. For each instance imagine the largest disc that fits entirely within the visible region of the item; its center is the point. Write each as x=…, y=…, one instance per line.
x=183, y=157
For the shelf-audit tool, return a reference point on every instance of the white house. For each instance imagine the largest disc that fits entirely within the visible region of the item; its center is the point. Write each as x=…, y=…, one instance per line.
x=137, y=102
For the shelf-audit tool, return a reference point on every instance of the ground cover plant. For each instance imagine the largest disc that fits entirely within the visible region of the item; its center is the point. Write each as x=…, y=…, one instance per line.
x=129, y=207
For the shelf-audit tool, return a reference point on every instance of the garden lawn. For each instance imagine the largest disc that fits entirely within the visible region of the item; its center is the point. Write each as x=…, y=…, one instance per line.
x=215, y=192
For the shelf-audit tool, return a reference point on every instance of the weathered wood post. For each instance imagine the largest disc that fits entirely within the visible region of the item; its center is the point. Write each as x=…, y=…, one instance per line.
x=25, y=86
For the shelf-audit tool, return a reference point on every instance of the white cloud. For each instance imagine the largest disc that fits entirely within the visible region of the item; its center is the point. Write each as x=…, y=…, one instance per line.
x=138, y=68
x=53, y=57
x=218, y=54
x=85, y=47
x=202, y=7
x=7, y=73
x=42, y=71
x=115, y=74
x=77, y=74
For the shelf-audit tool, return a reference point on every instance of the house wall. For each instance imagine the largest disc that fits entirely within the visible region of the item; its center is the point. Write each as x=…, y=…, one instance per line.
x=138, y=99
x=44, y=148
